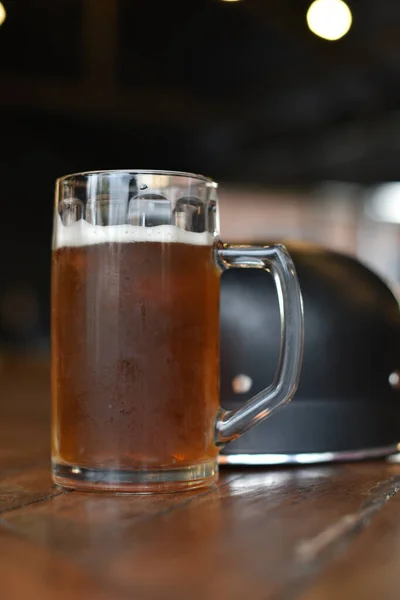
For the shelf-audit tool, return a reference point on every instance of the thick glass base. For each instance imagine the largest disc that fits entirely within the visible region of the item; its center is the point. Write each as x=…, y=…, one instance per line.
x=135, y=481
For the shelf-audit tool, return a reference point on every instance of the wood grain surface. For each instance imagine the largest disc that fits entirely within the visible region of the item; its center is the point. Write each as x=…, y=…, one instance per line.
x=316, y=533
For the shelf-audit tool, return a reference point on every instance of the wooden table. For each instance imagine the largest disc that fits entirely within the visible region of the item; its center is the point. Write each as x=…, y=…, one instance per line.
x=315, y=533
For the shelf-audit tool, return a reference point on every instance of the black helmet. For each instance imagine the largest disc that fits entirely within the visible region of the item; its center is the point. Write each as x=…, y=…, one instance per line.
x=348, y=402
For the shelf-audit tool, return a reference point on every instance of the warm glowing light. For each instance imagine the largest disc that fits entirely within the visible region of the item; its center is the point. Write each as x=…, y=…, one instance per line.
x=3, y=14
x=329, y=19
x=230, y=0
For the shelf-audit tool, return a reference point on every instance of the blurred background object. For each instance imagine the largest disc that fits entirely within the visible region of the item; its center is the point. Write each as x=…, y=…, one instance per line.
x=347, y=403
x=302, y=133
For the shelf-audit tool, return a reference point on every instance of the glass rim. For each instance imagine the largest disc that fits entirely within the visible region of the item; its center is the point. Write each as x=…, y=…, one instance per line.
x=197, y=176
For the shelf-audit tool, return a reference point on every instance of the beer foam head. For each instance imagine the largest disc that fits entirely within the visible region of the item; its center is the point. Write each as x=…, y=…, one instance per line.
x=83, y=233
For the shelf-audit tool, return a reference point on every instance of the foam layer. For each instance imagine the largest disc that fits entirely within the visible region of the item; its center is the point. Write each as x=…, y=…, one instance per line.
x=83, y=233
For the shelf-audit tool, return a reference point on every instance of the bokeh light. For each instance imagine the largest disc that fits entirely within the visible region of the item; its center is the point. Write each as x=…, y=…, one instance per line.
x=3, y=14
x=329, y=19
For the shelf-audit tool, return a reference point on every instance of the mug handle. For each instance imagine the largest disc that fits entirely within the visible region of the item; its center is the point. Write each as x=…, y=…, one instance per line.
x=231, y=424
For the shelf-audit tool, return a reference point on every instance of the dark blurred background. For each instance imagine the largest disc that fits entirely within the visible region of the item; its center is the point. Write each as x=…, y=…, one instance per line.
x=302, y=133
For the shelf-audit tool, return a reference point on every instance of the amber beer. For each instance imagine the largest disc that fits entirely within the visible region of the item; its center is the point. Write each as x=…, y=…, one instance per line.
x=135, y=350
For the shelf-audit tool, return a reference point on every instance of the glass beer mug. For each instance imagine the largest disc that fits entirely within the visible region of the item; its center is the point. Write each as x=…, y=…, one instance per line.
x=136, y=268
